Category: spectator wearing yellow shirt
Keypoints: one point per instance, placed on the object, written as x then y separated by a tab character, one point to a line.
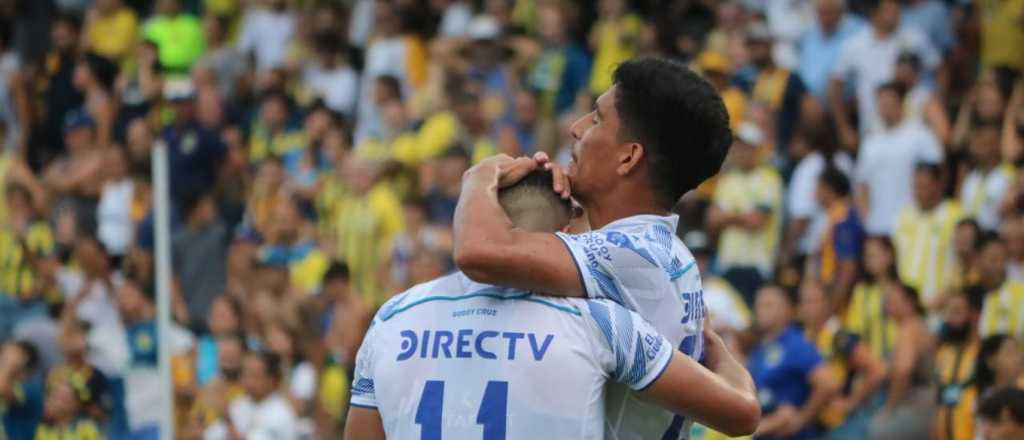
63	418
464	125
745	213
850	361
177	35
781	89
1002	32
368	219
964	272
924	236
1004	304
954	366
271	134
716	69
288	242
865	312
614	39
110	30
27	262
222	388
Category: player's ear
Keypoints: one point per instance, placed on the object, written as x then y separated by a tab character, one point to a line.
629	157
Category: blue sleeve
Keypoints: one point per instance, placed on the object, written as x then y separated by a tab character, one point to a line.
601	258
639	353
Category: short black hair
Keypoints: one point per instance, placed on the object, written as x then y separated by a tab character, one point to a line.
836	181
524	200
933	170
1001	399
191	201
984	376
680	120
391	82
271	362
987	238
337	271
893	86
975	296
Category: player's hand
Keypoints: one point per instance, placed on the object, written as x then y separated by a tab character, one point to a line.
561	183
509	170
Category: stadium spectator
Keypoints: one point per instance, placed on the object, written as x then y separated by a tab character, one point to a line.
223	321
869	57
866	314
265	32
910	398
261	411
848	360
177	34
745	213
819	46
21	390
199	254
63	416
999	364
781	89
842	241
1002	414
989	179
818	149
792	381
999	315
955	360
886	160
923	236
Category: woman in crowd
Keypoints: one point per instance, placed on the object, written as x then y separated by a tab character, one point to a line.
865	313
910	399
999	364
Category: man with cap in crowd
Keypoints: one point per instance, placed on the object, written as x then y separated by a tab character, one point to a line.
778	87
745	214
194	151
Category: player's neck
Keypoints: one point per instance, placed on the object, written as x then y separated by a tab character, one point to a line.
616	205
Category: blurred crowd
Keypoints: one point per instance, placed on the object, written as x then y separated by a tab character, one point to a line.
863	247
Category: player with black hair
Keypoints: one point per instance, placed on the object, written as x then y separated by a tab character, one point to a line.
656	134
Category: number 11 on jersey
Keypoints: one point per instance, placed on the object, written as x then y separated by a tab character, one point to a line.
493	412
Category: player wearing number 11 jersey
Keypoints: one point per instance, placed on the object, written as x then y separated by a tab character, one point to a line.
456	359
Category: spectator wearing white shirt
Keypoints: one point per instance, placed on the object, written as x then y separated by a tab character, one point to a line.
455	17
265	33
115	226
868	58
262	413
807	219
886	161
330	78
989	179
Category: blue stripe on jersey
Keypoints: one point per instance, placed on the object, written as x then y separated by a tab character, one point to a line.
607	284
657	376
624	335
600	314
363	386
487	293
674	428
362	406
676	274
639	364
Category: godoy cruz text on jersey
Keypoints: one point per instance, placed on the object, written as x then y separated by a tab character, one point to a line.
486	344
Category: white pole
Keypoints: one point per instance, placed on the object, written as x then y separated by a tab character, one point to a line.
162	231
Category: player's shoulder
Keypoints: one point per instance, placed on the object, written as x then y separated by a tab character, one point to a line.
449	286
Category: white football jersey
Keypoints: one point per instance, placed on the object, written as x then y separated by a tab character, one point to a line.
639	262
454	359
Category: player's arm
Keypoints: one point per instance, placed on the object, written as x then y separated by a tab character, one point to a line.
364	421
364	424
489	249
723	398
